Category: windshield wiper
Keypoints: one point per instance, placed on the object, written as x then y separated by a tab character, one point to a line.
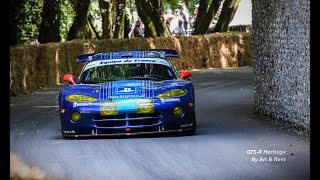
111	79
96	81
143	78
165	78
150	78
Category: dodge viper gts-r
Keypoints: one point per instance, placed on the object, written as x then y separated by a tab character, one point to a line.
127	93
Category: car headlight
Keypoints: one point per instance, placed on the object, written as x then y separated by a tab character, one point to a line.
145	106
172	93
80	98
108	108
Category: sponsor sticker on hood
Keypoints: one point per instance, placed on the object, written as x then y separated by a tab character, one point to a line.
131	89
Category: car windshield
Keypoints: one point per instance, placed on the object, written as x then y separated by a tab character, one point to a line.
115	72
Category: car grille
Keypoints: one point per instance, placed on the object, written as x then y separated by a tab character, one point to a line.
115	131
119	116
110	123
125	120
144	122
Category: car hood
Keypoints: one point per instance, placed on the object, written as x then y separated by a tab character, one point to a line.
126	89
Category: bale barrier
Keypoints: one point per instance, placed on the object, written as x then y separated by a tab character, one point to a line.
34	67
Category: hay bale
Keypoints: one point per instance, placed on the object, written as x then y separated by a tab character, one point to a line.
37	66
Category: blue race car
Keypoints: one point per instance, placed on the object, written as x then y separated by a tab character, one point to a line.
127	93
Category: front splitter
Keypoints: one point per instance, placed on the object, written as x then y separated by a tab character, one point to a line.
130	134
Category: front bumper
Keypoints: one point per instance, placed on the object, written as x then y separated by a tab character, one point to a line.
95	134
127	123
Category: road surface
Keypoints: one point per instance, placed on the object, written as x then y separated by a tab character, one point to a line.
230	142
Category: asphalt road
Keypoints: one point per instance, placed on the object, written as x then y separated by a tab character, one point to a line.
227	132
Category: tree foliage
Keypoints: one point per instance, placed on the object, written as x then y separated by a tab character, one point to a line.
120	17
229	9
66	18
107	10
113	18
60	20
208	12
206	15
50	23
174	4
95	19
151	13
25	18
81	10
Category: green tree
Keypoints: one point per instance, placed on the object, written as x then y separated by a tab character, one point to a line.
206	15
113	18
120	19
92	26
149	29
80	20
67	15
107	10
229	9
15	17
151	13
95	19
208	12
50	24
25	18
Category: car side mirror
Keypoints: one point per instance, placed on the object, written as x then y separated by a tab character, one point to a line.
69	78
185	75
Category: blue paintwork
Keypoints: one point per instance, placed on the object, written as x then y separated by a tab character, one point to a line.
126	93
